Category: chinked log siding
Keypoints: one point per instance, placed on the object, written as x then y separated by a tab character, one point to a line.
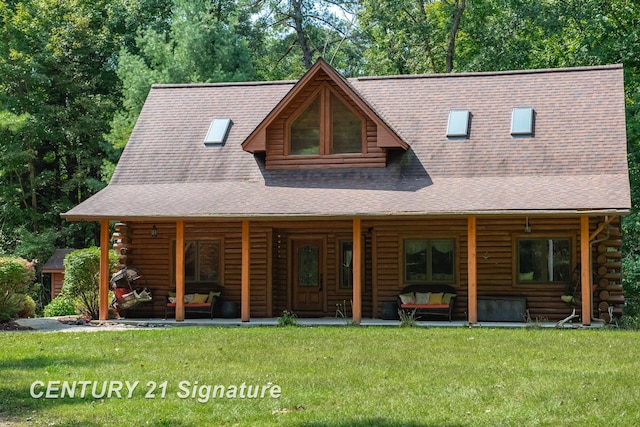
270	269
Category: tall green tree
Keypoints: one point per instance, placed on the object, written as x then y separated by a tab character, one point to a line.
56	73
412	36
58	92
202	43
295	33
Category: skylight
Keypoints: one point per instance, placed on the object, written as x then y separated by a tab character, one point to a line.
458	125
522	121
218	131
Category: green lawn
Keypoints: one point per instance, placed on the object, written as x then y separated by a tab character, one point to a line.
330	376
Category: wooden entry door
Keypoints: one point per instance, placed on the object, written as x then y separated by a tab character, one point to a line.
308	264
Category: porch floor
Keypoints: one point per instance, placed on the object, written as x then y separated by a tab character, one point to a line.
330	321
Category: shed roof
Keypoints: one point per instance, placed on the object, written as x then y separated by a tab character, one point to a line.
575	163
56	262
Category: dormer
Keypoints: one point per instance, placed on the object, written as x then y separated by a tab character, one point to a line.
323	123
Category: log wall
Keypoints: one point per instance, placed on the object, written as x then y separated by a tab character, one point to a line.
388	237
154	257
332	232
57	280
608	264
497	264
383	239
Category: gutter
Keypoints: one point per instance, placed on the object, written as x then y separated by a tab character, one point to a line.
342	216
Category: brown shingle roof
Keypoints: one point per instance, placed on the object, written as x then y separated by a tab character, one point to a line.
56	262
576	161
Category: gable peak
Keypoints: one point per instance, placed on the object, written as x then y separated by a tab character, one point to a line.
322	73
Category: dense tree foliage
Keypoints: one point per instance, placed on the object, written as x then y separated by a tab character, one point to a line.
412	36
58	93
81	272
75	73
294	33
202	43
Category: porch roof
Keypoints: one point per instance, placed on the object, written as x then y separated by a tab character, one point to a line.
575	163
450	196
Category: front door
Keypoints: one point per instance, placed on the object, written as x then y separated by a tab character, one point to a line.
308	295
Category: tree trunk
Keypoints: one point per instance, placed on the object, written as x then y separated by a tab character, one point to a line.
34	196
427	42
455	24
302	41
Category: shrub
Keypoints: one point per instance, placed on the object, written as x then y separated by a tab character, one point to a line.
628	322
28	307
631	285
16	276
60	306
81	277
407	318
41	295
288	318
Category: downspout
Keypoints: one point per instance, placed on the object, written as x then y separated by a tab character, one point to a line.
593	241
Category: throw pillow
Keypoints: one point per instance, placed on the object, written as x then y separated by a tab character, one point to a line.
435	298
526	276
188	298
212	296
120	292
446	298
408	298
422	297
200	298
172	294
172	300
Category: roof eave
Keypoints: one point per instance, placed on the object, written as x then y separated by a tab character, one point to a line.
368	215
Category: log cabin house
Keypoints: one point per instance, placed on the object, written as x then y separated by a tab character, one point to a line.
301	195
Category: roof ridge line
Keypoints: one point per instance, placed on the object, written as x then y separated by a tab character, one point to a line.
491	73
221	84
397	76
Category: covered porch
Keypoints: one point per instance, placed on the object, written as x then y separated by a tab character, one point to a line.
470	284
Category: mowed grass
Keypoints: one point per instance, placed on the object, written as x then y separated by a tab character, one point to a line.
329	376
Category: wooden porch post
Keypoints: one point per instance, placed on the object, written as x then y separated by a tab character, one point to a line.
357	270
245	277
180	271
471	270
585	270
103	284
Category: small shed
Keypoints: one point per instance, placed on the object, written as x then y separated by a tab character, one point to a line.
55	267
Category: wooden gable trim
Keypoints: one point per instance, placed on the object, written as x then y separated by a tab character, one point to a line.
387	138
257	141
